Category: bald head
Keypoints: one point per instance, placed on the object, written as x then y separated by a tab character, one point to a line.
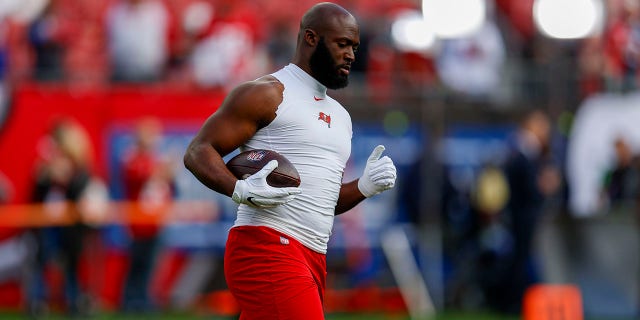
324	15
328	39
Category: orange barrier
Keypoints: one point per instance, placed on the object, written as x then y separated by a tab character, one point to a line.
132	213
552	302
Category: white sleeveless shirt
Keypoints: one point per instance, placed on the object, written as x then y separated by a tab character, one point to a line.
314	132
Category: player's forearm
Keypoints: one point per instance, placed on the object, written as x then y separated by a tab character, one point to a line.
209	168
349	197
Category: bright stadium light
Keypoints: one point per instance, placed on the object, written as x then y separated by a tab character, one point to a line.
410	32
23	11
454	19
568	19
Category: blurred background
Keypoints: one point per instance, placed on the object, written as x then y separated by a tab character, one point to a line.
514	124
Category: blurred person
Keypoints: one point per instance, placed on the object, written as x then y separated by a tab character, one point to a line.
49	35
380	62
138	40
531	177
214	60
149	183
275	256
632	47
614	37
491	234
5	90
6	189
473	65
66	186
591	66
194	19
622	46
622	182
280	46
14	248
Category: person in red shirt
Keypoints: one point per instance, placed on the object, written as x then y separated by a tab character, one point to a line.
148	185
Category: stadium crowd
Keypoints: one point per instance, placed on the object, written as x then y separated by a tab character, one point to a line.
98	42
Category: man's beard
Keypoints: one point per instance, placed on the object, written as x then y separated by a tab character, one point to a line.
325	68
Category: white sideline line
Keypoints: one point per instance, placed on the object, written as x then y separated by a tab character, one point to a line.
413	288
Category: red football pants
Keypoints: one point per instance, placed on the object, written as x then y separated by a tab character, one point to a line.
273	276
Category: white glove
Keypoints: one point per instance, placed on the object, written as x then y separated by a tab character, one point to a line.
379	174
255	191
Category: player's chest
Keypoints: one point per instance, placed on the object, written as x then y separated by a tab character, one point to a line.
320	124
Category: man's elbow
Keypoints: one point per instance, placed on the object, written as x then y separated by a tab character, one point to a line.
188	158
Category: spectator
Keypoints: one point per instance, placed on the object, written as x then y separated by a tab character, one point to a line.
13	243
632	47
591	66
67	188
473	65
138	40
620	46
227	53
49	37
280	47
194	19
622	182
6	189
4	72
494	241
531	178
149	181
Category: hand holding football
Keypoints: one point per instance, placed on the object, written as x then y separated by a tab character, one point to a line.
249	162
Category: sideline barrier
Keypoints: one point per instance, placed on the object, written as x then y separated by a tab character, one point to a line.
552	302
131	213
102	269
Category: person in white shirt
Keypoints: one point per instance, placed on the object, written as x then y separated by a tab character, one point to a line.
275	254
137	39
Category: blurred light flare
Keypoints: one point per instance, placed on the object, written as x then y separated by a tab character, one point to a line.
23	11
411	32
568	19
417	31
454	19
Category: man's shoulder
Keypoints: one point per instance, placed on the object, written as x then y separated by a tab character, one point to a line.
259	97
268	79
264	86
264	82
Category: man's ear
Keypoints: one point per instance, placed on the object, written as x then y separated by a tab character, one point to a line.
311	37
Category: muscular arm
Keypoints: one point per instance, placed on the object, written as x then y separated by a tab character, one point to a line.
245	110
349	197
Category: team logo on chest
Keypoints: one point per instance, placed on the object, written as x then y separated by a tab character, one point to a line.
325	117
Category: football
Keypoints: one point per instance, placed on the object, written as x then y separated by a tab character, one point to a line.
251	161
